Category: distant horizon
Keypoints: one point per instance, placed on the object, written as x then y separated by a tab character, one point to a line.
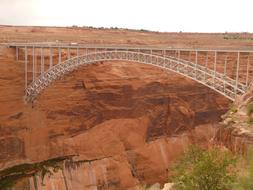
117	28
194	16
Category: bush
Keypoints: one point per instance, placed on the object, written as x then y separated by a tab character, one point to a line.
232	108
144	30
250	108
249	112
245	180
200	169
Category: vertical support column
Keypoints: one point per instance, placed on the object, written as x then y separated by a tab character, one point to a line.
33	56
178	57
16	53
225	66
95	50
35	64
164	58
196	62
77	52
189	58
151	52
51	58
59	52
214	67
42	61
85	51
237	73
247	72
68	53
206	63
138	54
26	67
225	74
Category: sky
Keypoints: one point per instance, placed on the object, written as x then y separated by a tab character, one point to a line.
156	15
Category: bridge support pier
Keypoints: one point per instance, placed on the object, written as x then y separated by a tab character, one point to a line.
206	66
33	66
26	57
237	72
59	52
247	72
68	52
42	62
178	54
51	57
215	66
225	73
77	52
196	62
17	53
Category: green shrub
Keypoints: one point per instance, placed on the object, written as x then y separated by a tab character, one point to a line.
250	108
245	180
232	108
201	169
249	112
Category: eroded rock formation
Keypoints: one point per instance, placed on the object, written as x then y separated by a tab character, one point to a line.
111	125
121	124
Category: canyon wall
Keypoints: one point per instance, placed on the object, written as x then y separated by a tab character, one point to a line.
121	123
111	125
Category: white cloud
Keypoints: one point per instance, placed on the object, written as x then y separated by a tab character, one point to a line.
162	15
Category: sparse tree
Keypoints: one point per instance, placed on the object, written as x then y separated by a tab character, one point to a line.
201	169
245	180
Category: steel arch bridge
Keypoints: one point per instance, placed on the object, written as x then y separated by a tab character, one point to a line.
208	67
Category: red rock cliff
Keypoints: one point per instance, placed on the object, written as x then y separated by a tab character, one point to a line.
111	125
124	123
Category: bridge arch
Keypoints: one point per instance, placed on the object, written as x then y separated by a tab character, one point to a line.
220	83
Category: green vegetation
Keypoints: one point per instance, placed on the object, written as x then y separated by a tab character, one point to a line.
250	108
245	179
232	108
213	169
10	176
246	36
201	169
250	112
144	30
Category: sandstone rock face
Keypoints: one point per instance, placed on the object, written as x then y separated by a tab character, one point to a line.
122	123
168	186
235	131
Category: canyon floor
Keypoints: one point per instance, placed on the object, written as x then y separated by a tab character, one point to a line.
111	125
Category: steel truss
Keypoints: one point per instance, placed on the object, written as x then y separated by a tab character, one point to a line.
221	82
216	81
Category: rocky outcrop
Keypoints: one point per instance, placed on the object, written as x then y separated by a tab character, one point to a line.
236	129
122	124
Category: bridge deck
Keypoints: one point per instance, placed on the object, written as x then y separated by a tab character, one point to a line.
119	47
